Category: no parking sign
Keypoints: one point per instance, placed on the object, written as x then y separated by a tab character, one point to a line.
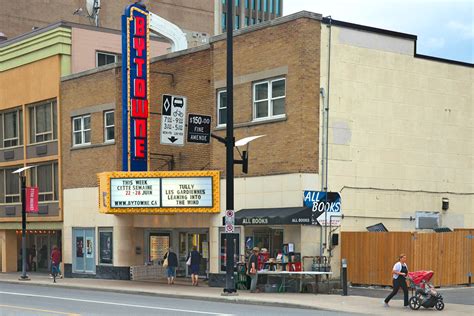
229	221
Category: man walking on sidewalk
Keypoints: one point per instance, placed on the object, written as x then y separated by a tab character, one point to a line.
252	269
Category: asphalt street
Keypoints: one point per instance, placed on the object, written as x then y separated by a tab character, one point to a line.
17	299
457	295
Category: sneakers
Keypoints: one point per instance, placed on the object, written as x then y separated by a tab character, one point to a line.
385	304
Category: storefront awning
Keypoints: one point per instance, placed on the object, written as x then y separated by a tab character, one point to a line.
274	216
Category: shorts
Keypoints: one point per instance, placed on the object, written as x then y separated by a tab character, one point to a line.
171	272
195	269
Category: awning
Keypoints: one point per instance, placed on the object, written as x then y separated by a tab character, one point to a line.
300	215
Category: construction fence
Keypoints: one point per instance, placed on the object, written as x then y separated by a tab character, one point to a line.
371	255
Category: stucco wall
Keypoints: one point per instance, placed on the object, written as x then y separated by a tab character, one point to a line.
32	82
85	44
401	124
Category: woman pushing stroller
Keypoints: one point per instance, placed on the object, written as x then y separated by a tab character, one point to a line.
399	274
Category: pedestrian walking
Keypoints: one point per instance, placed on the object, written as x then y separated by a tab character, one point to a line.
194	261
399	274
55	259
170	262
252	269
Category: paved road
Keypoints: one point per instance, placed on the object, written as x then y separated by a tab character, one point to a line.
459	295
17	299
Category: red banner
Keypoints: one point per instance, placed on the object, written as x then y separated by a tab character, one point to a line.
31	200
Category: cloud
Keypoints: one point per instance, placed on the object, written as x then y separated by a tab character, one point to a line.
465	30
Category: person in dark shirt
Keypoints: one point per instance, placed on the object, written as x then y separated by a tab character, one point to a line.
252	269
172	264
195	263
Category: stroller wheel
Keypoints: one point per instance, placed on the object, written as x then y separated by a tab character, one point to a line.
415	303
439	305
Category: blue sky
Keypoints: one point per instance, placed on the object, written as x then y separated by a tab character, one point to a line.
445	28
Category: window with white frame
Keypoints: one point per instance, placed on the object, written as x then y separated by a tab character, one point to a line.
109	126
12	128
222	107
45	177
43	121
11	185
81	130
103	58
269	98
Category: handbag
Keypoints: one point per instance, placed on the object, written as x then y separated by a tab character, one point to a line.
188	262
165	262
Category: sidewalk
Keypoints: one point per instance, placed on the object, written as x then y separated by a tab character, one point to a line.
354	304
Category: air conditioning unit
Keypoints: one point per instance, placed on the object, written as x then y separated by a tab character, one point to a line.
427	220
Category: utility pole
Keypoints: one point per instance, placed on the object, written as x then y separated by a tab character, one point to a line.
230	142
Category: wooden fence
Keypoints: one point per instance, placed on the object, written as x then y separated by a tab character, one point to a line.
371	255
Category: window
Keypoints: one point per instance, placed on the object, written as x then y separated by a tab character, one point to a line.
109	126
247	4
12	128
81	130
265	5
224	22
277	7
43	120
12	186
259	5
247	21
222	107
269	98
253	21
45	177
105	58
106	246
254	4
237	22
237	3
270	6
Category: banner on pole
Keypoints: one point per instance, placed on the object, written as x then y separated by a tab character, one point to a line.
31	204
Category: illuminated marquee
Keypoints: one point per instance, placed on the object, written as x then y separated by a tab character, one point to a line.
135	92
159	192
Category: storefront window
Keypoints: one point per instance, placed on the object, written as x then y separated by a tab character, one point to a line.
105	246
223	247
270	239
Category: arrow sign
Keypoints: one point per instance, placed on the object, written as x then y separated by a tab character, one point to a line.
172	139
173	120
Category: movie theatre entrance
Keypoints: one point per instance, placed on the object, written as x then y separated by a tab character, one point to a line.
182	241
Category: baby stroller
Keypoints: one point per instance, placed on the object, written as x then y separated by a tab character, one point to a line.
425	294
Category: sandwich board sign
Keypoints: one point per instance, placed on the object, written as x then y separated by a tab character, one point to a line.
173	120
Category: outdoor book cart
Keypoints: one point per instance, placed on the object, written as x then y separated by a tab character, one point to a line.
302	275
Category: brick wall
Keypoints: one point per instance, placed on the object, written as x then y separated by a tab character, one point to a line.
291	145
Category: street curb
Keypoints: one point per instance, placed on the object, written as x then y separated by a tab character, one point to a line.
228	299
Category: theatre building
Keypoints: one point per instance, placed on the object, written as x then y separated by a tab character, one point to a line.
281	80
31	66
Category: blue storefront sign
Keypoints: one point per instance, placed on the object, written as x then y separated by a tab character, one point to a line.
325	207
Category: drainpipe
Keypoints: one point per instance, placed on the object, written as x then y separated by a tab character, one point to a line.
325	138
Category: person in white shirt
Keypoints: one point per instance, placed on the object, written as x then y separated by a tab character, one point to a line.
399	274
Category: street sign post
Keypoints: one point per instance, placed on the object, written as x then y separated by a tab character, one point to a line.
199	129
229	221
173	113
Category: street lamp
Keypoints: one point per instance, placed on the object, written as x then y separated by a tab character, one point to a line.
22	176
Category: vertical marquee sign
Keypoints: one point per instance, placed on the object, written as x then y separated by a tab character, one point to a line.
135	92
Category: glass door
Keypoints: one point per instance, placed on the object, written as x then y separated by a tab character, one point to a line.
158	244
83	250
186	243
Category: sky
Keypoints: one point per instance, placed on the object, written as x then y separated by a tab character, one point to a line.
445	28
